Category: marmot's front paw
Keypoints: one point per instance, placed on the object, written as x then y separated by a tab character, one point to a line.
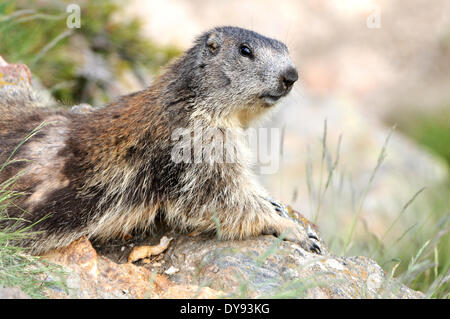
290	230
294	232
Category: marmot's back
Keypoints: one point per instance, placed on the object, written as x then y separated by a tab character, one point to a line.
22	116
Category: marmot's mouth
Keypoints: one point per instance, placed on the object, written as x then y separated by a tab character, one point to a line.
270	99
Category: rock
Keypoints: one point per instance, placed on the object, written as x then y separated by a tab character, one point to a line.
16	80
12	293
93	276
14	74
266	267
260	267
82	108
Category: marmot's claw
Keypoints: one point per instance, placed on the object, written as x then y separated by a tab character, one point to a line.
310	243
313	239
279	208
312	234
315	248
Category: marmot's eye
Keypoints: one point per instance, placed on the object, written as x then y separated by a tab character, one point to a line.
245	51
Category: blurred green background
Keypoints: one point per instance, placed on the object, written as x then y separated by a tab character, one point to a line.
35	33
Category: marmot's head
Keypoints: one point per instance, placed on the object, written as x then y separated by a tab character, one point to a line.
232	70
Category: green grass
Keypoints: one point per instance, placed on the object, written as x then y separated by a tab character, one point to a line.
31	274
19	269
432	130
420	255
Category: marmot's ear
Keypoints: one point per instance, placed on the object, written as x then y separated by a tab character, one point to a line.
213	43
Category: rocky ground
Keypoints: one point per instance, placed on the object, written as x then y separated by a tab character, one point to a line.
202	267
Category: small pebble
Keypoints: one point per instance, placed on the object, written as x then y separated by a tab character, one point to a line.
172	270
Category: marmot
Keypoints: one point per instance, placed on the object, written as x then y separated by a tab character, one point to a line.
106	173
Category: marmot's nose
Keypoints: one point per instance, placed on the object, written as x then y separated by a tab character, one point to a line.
289	77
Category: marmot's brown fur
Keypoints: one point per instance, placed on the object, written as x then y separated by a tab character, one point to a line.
105	173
